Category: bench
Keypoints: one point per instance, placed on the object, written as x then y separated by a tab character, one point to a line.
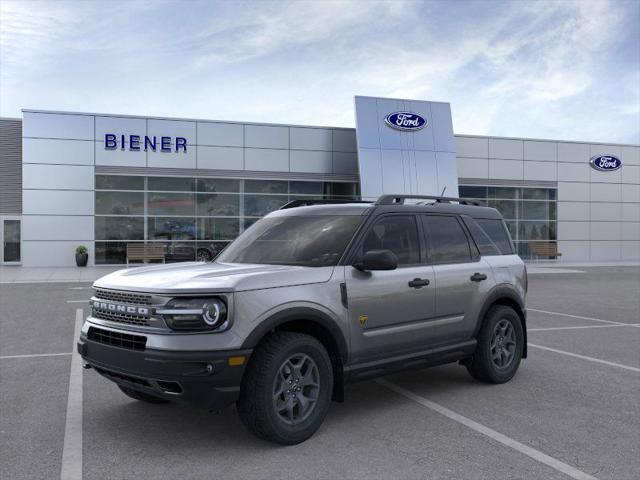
144	253
545	249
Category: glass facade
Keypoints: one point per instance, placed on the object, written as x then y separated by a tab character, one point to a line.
530	213
194	218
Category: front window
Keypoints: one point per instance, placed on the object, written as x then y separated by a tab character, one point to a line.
309	241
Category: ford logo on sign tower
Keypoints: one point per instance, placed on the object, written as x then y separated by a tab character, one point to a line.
605	163
405	121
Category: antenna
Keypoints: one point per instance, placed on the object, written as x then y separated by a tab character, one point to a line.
442	194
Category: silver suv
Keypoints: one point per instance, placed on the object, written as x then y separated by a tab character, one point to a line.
312	297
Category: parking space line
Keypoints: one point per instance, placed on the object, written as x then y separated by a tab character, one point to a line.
77	301
582	327
33	355
577	316
494	435
583	357
72	448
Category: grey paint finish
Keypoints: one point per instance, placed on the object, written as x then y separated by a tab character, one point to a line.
10	166
394	161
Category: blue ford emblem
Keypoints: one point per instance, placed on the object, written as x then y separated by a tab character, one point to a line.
605	163
405	121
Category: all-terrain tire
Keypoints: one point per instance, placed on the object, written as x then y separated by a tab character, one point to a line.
485	363
141	396
257	404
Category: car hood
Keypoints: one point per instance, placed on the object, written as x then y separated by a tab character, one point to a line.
197	277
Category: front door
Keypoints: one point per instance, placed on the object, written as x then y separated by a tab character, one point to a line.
10	234
388	310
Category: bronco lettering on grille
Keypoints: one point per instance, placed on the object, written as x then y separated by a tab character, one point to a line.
119	308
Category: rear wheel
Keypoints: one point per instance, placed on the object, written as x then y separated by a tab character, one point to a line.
141	396
287	388
500	345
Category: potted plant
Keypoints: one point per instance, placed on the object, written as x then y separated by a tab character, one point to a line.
82	256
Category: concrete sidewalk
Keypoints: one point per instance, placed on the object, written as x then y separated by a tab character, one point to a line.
11	274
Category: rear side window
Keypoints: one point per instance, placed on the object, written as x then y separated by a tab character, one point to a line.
447	241
482	239
498	234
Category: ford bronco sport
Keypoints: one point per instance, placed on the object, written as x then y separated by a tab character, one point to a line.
312	297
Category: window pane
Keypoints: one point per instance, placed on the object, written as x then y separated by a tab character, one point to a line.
396	233
172	183
119	228
120	203
497	233
218	228
110	253
472	192
210	204
447	240
338	189
266	186
535	193
119	182
178	251
260	205
167	228
507	208
209	250
306	188
213	185
250	221
534	210
534	231
171	204
502	192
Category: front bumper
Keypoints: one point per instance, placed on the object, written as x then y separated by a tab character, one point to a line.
203	379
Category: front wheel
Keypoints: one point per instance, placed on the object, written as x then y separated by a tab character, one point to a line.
287	388
500	345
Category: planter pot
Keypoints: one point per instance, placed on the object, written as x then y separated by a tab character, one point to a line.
82	259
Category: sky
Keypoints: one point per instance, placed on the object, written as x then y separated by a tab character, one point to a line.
540	69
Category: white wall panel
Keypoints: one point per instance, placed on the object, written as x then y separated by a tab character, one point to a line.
52	125
344	141
573	230
310	138
630	174
57	202
220	158
442	127
630	250
64	177
393	178
506	149
70	152
630	230
573	191
173	128
540	171
261	136
54	227
535	150
605	177
630	193
605	230
472	147
631	212
120	126
574	172
172	159
605	251
605	150
573	250
630	155
573	152
506	169
367	119
120	157
574	211
53	253
345	163
447	174
266	159
311	161
602	192
606	211
220	134
371	167
473	167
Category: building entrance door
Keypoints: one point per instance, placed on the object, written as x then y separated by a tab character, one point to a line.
10	235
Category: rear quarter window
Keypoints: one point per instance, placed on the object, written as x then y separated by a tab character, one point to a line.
497	233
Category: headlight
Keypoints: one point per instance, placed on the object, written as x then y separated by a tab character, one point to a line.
195	313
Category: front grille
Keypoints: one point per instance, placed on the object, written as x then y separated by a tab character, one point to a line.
123	297
117	339
127	318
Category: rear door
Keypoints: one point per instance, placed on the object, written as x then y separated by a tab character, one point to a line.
462	278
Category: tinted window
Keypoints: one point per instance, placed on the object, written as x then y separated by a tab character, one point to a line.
398	234
447	240
310	241
482	239
497	233
119	182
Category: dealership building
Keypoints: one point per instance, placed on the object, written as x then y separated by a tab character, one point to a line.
190	186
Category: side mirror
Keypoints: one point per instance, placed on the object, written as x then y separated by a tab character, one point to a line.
377	260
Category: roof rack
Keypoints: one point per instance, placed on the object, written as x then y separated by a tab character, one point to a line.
399	199
306	203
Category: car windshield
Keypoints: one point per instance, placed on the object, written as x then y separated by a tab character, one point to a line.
310	241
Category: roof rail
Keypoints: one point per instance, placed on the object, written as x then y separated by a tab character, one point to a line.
306	203
399	199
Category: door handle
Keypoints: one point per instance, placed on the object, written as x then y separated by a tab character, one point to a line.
418	283
478	277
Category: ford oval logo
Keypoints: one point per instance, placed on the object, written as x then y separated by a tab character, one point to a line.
405	121
605	163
